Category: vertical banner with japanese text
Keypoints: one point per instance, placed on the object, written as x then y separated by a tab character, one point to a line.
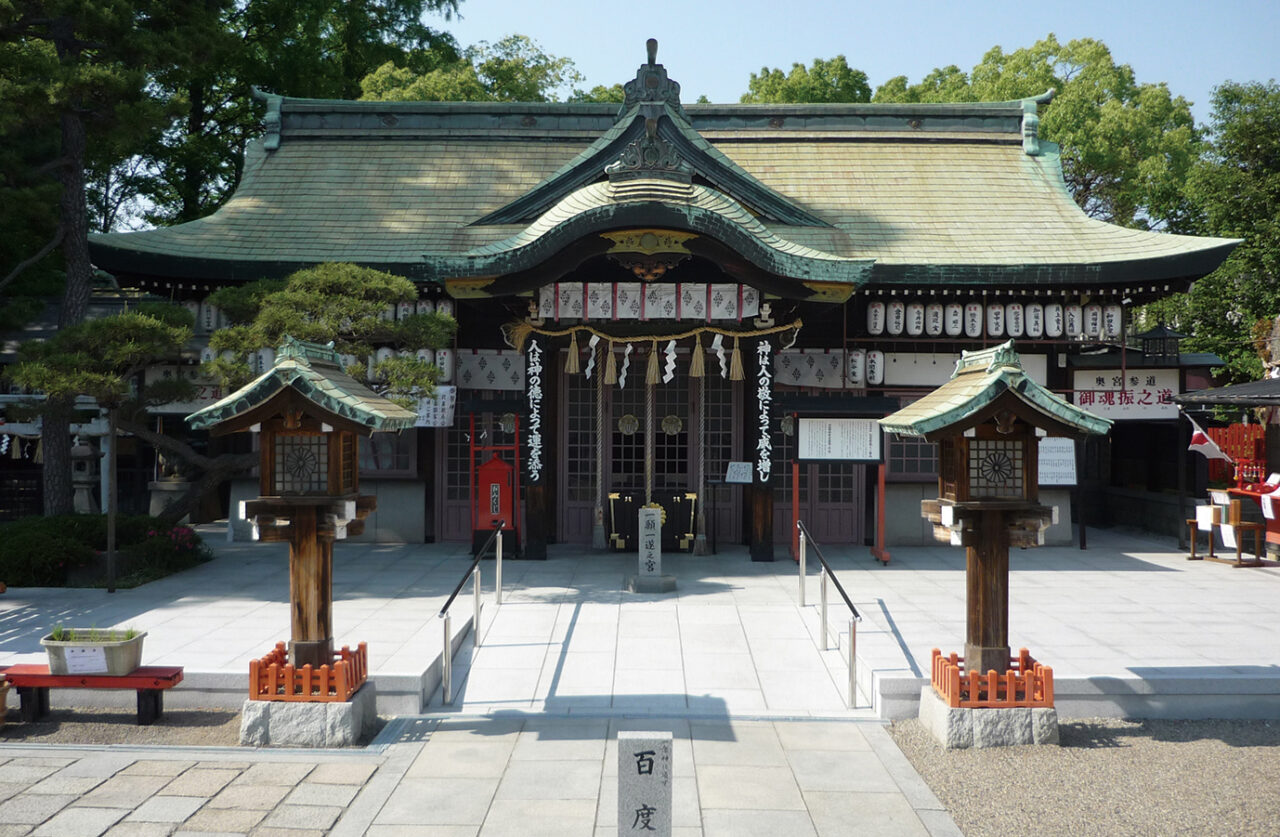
534	463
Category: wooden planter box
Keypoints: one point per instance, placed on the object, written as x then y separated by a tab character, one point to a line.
95	652
273	678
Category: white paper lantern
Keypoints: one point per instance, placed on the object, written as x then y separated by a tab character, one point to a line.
933	319
348	361
426	356
875	367
404	309
857	367
1034	316
385	353
1093	320
1013	319
875	318
915	319
1112	320
995	320
1073	320
895	316
388	313
265	359
405	353
445	306
207	355
444	360
1053	320
210	318
973	319
954	319
426	306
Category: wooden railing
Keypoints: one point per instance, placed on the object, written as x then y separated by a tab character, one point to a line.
1026	683
273	678
1246	444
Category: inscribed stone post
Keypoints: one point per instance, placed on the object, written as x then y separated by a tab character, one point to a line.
644	783
650	543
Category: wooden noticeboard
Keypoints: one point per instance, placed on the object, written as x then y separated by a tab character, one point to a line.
839	440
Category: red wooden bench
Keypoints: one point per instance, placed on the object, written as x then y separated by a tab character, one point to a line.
33	683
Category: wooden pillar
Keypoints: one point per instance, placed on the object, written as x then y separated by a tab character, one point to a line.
759	385
310	591
987	578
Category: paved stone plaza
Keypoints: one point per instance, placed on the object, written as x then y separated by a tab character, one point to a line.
729	663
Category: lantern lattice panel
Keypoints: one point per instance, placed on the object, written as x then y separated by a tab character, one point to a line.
302	464
996	468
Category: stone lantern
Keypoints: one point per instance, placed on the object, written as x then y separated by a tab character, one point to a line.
987	421
309	414
84	476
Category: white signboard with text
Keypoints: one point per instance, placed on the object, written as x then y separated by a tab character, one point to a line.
1127	394
839	439
1057	461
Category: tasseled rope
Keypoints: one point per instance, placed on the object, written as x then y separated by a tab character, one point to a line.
610	366
571	364
735	363
696	368
653	374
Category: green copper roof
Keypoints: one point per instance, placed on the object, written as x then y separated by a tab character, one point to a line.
979	379
946	195
316	372
610	205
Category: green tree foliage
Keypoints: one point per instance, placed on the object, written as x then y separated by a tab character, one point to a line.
1236	187
342	303
308	48
1127	148
100	359
830	80
600	93
514	69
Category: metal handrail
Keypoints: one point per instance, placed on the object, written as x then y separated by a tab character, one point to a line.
855	617
473	572
804	533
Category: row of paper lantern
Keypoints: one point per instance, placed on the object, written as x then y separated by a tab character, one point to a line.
262	360
866	367
209	319
1013	319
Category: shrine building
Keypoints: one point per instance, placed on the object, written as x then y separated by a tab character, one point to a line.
647	293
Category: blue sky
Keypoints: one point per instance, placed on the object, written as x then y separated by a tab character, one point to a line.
712	46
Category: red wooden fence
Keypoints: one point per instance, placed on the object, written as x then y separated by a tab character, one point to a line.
1026	683
272	678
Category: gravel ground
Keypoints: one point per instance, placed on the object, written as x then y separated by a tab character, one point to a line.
1111	777
177	727
190	727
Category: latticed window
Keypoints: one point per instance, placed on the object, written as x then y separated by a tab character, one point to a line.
995	468
389	454
910	458
301	464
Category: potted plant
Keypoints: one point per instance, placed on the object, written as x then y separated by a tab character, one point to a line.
115	651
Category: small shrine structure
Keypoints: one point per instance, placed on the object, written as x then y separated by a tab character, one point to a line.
308	414
987	421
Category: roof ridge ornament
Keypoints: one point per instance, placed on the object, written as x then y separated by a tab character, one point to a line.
651	85
1031	122
650	156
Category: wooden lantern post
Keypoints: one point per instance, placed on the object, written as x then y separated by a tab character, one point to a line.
309	414
987	421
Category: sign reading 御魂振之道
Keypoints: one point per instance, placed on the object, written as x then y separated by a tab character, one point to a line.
1127	394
